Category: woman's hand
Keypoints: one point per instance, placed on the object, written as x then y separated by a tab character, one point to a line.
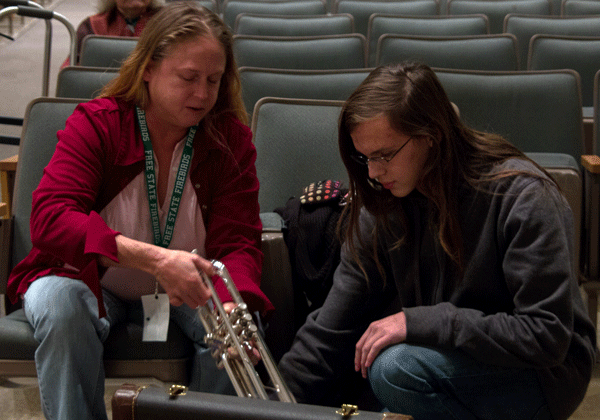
178	272
380	334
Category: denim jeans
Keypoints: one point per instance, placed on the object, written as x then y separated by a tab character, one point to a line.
64	315
429	383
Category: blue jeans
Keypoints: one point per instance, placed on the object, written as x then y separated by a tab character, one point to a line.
429	383
70	369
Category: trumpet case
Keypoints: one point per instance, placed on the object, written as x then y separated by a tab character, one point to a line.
132	402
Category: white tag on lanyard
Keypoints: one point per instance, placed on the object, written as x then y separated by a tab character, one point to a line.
156	317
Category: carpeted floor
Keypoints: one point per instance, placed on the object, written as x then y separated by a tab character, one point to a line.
20	397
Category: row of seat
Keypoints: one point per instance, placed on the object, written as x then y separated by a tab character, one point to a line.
478	94
86	82
522	27
361	10
496	52
230	8
98	51
475	52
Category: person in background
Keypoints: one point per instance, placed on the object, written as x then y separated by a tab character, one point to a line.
160	164
116	18
457	293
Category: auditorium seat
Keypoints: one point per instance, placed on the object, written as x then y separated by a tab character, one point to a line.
309	53
105	51
293	25
475	52
580	7
524	27
83	82
496	10
363	9
232	8
380	24
258	83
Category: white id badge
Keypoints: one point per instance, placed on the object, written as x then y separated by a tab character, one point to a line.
156	317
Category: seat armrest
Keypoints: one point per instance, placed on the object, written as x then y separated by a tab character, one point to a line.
272	222
276	283
5	252
8	168
591	163
591	228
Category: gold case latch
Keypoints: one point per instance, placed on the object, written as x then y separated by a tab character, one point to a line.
348	410
177	390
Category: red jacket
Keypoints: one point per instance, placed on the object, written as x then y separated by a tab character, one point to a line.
98	154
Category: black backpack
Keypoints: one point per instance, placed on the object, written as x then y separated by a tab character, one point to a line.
313	244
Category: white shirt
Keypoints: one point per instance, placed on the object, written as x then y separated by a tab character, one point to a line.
129	214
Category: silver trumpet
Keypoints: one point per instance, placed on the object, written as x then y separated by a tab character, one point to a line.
231	336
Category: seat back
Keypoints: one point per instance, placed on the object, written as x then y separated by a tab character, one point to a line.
83	82
496	10
293	25
524	27
258	83
296	143
476	52
582	54
362	10
537	111
579	7
380	24
232	8
308	53
211	5
105	51
43	118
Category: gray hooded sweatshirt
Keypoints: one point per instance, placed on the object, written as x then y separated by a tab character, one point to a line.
517	303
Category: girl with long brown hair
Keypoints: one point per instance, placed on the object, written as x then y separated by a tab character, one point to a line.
456	295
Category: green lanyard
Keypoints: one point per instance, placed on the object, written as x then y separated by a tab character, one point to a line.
184	165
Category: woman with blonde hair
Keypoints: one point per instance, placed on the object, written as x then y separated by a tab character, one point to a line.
159	165
457	294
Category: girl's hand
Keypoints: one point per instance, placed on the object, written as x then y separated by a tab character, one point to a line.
252	352
380	334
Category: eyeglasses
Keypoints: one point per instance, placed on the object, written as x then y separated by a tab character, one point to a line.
363	160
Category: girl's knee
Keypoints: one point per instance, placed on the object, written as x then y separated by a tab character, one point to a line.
401	367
